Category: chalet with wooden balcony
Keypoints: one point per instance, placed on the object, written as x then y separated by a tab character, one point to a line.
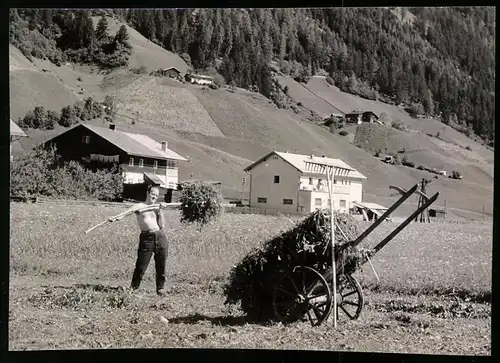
143	159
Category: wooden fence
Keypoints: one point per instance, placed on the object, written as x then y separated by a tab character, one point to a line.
228	208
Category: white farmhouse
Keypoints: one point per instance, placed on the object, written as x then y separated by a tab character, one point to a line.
281	181
199	79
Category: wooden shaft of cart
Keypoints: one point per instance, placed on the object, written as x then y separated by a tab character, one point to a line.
330	171
393	234
379	220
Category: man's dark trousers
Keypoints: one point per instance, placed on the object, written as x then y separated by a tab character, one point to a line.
149	243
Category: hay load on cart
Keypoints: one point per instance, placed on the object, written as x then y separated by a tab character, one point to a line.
307	244
288	279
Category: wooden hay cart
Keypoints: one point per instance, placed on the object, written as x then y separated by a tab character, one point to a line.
304	293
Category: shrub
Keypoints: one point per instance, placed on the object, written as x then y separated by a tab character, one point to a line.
68	117
397	125
201	203
407	162
343	133
330	81
415	109
41	172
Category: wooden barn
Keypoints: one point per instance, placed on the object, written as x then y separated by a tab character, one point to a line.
359	117
171	72
437	213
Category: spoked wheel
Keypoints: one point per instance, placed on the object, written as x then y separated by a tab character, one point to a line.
350	298
302	292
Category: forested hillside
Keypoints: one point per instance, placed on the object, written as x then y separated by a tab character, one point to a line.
441	63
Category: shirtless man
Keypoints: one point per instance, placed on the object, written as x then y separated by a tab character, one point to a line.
152	238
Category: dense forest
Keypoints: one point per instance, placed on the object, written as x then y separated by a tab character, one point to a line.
441	63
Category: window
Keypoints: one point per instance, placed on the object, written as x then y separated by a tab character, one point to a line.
141	163
170	164
317	202
310	181
335	181
276	179
86	139
261	200
275	157
342	203
287	201
155	164
131	162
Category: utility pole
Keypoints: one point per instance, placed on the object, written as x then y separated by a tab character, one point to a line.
243	181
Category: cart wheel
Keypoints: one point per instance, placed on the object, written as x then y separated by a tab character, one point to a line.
303	291
350	298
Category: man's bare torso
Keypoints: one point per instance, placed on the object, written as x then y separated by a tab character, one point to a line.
147	220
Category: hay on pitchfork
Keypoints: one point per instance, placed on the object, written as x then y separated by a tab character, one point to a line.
306	244
200	203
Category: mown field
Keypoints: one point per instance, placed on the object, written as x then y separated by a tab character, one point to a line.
66	287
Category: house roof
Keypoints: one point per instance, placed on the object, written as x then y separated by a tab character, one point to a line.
169	68
299	162
153	178
134	144
371	206
15	130
361	113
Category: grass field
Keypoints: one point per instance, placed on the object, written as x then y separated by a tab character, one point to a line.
66	287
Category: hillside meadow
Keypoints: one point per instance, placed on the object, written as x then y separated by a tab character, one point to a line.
68	289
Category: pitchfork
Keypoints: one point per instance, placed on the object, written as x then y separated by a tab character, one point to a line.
331	171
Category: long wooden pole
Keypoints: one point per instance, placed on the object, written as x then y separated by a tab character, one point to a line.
145	209
332	228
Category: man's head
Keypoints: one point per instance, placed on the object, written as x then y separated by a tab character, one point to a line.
152	194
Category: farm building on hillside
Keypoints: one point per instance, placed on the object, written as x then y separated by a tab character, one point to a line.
15	134
438	213
143	159
282	181
361	116
171	72
199	79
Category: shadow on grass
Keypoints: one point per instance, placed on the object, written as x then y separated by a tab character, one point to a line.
218	320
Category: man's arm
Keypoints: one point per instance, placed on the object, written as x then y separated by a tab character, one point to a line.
125	213
160	218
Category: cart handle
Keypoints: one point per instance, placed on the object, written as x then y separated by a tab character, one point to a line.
404	224
402	191
379	220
